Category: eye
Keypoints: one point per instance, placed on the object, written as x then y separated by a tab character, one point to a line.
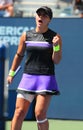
46	16
43	14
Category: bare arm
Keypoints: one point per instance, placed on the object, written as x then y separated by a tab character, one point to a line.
18	56
3	7
56	56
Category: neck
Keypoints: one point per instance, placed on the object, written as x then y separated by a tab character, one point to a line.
41	30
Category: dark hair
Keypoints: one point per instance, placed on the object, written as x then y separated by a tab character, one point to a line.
47	10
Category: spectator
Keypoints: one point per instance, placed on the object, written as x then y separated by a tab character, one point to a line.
81	14
78	7
6	8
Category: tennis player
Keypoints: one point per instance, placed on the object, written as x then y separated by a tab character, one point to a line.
43	48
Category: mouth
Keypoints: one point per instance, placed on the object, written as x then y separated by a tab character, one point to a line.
40	21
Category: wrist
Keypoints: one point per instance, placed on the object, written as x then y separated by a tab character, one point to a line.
56	48
11	73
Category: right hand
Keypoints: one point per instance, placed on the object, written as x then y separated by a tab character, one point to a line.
9	79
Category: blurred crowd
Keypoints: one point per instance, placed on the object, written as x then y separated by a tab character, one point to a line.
7	8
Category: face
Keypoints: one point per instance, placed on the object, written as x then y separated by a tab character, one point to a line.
42	19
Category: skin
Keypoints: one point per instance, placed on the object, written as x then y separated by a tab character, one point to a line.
42	101
8	7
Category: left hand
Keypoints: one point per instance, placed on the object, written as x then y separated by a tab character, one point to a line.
56	40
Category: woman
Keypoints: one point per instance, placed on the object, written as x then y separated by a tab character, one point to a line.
44	48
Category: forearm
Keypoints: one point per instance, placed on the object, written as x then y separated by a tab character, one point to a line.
6	6
56	57
16	62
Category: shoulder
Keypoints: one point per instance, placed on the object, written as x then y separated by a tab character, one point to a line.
51	32
23	37
30	32
27	34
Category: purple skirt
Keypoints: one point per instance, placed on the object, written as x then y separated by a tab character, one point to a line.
39	84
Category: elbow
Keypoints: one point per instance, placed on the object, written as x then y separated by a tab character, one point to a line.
57	60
